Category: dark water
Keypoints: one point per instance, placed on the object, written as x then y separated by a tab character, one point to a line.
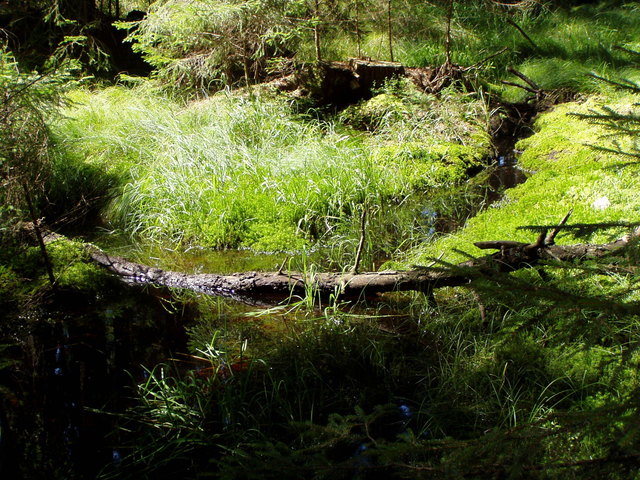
74	360
505	174
72	366
447	212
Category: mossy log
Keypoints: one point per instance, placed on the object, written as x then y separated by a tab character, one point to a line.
510	256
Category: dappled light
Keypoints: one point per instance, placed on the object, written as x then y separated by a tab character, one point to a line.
319	239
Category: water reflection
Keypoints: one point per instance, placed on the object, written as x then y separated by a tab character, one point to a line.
72	360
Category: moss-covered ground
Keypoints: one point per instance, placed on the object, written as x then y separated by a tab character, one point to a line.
532	374
564	173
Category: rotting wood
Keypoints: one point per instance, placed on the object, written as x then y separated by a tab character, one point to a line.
510	256
373	73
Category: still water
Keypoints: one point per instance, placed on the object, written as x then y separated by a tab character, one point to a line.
69	365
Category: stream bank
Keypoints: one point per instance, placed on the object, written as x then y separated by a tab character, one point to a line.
79	360
354	380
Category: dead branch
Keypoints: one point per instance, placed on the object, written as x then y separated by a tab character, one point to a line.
524	78
522	32
486	59
510	256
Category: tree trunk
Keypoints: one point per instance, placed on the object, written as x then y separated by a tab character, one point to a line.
390	30
358	33
510	256
316	31
38	233
447	39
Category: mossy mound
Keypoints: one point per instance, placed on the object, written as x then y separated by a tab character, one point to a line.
566	172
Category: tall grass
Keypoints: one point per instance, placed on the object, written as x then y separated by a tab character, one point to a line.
230	171
222	172
310	393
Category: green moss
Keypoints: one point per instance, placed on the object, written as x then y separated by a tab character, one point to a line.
274	237
73	268
375	113
565	173
420	165
422	141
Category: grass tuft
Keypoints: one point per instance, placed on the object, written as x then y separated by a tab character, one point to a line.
235	172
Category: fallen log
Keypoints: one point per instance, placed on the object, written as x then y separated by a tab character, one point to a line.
510	256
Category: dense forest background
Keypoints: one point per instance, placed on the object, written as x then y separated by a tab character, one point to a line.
316	136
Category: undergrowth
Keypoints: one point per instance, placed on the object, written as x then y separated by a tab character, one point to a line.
522	389
554	45
565	172
530	375
234	172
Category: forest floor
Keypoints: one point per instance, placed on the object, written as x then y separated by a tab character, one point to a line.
526	374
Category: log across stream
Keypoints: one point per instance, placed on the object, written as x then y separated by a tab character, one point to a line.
509	256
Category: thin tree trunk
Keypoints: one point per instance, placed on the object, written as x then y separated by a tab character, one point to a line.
245	59
38	233
447	39
363	232
390	30
358	33
316	31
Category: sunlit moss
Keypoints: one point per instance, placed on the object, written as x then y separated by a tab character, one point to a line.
565	173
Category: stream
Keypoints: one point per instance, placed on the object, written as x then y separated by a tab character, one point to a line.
76	360
73	362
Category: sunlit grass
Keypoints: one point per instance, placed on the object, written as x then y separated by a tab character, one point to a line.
229	171
218	171
567	43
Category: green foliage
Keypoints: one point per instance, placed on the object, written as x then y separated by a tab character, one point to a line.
225	149
26	99
381	110
563	44
29	102
228	172
620	123
430	166
204	45
520	376
9	288
574	42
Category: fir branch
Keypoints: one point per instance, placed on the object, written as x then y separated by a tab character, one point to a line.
622	83
617	151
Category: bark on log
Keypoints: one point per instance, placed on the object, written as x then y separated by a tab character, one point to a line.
272	285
